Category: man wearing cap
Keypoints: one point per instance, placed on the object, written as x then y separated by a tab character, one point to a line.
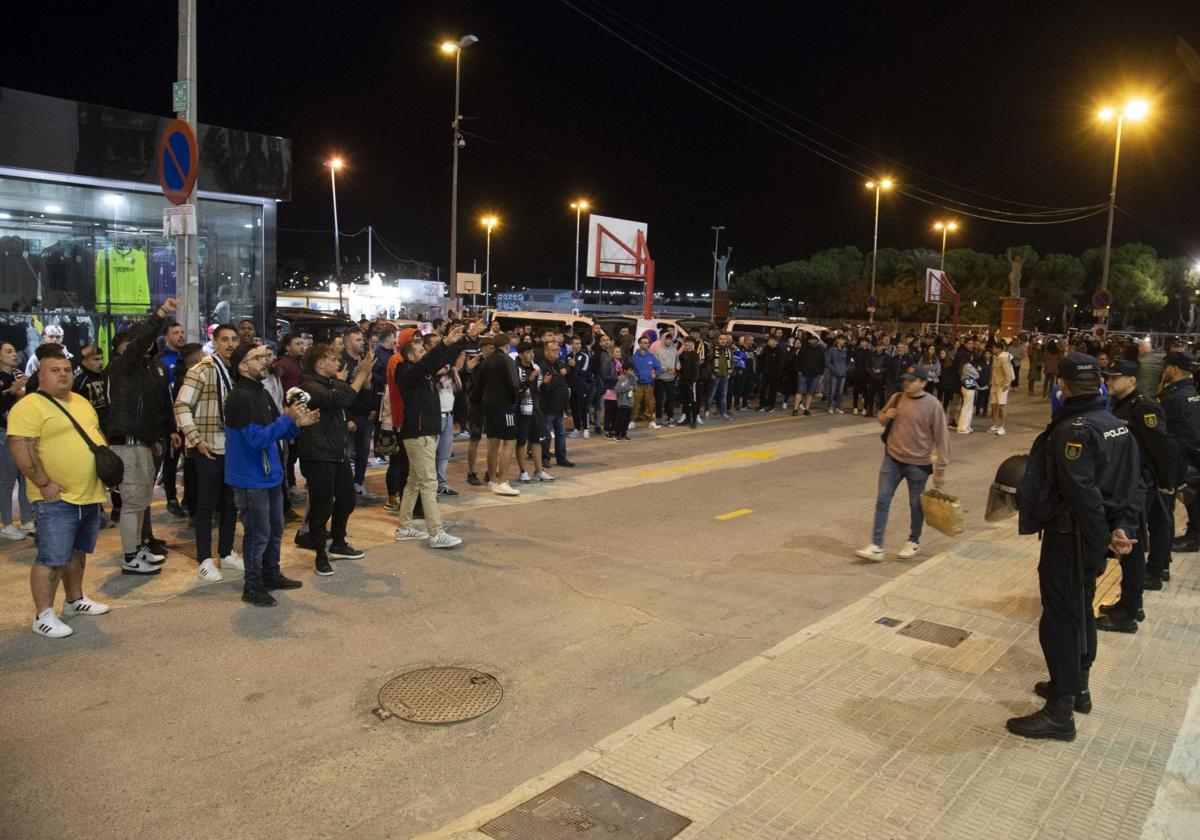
1081	493
1181	405
1159	457
51	334
916	445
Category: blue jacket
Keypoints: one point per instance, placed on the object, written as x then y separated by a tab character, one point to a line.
643	363
253	429
837	361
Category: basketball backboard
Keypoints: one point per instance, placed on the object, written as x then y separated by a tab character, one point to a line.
616	248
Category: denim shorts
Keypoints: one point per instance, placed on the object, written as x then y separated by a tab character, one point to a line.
64	528
809	384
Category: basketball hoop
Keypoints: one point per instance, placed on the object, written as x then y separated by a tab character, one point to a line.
617	249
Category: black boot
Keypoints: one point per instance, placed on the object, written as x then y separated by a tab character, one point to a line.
1152	583
1188	542
1105	609
1083	700
1118	620
1054	721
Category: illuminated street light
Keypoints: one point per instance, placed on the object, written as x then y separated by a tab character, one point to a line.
488	222
578	205
878	186
945	228
335	164
457	142
1135	110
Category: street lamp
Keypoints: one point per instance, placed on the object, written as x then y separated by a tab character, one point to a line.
879	186
457	142
334	165
1135	110
488	222
945	228
578	205
716	229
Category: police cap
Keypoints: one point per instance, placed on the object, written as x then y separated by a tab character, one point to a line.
1179	359
1079	367
1122	367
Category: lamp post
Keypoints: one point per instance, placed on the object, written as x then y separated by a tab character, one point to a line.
488	222
945	228
712	309
579	205
1135	110
879	186
334	165
457	142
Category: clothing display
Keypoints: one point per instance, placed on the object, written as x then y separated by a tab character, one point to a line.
162	275
20	274
68	279
122	280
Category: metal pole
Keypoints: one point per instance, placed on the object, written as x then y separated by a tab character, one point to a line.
370	263
712	309
186	269
452	280
1112	206
937	323
337	244
874	253
578	217
487	278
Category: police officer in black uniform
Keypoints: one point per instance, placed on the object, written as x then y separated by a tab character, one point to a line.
1081	492
1182	407
1159	457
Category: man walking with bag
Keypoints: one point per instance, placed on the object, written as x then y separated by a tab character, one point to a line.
916	445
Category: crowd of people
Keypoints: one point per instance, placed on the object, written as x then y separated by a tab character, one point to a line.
243	419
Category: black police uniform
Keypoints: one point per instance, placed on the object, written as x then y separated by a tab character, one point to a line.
1159	456
1182	408
1081	484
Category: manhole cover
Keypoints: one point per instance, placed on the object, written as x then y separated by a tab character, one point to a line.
187	549
586	806
440	695
939	634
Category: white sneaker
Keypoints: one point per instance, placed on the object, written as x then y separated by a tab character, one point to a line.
632	425
505	489
524	477
443	540
47	624
587	434
911	549
84	606
544	476
364	493
12	532
158	558
447	525
654	425
576	433
233	562
993	428
964	431
28	527
141	563
699	420
1001	431
208	572
411	533
871	552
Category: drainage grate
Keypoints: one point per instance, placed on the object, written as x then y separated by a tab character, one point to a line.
939	634
187	549
586	806
440	695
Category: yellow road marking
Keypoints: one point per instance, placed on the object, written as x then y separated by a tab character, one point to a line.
733	514
756	454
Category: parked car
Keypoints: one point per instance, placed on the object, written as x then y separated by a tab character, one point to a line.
322	326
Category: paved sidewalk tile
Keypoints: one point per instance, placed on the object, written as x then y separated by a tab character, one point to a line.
852	730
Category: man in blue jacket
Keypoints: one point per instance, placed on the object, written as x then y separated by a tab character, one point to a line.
253	429
837	363
647	367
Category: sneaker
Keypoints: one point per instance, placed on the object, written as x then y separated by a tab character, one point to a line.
345	551
693	423
411	533
473	480
304	541
564	463
586	434
463	436
807	413
966	431
795	412
157	556
174	509
84	606
141	562
443	540
234	562
524	477
393	502
280	582
837	410
28	527
1002	431
322	566
297	494
575	434
446	491
12	532
608	436
992	428
700	421
871	552
632	425
654	425
47	624
544	476
364	493
208	572
911	549
504	489
258	597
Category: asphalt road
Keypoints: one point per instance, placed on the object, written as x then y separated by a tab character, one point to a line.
595	600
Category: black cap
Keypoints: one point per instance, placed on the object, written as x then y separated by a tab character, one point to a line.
1179	359
1079	367
1122	367
524	346
239	353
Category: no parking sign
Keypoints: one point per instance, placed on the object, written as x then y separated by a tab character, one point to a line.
178	161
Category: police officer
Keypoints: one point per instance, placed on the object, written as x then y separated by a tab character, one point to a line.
1147	421
1081	492
1182	408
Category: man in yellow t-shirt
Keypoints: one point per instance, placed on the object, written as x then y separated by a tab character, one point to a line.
64	489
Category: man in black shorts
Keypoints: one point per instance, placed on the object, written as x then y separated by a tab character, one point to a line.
531	422
499	401
475	409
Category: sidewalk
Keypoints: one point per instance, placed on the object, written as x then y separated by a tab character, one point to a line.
849	729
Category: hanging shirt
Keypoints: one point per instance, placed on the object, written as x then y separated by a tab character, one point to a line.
122	280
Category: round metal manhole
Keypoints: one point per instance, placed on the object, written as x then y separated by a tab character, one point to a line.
441	695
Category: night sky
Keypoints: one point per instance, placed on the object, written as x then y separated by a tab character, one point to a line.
998	98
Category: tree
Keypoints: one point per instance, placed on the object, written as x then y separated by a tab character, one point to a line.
1135	279
752	288
1055	284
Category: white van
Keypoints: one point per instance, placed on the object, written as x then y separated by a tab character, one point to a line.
760	329
580	325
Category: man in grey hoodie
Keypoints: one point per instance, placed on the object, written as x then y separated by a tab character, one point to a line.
664	383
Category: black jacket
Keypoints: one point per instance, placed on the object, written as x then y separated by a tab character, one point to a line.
553	394
498	373
810	361
689	366
1182	408
1148	422
136	402
325	440
366	401
605	367
418	390
770	361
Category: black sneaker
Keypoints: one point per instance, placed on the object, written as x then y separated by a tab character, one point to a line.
280	582
174	509
473	480
446	491
1164	575
258	597
1183	544
1152	583
345	551
323	567
156	545
565	463
305	541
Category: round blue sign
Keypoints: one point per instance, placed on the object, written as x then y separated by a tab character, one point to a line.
178	161
1102	299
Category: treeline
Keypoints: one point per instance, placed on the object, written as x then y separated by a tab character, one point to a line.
1149	292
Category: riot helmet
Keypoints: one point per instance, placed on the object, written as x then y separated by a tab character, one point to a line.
1002	497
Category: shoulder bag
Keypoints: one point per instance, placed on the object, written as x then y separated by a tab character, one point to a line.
109	466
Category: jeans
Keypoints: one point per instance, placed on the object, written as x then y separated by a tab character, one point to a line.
423	482
360	439
837	385
213	495
891	472
330	492
596	407
445	445
664	399
64	529
10	475
170	466
555	424
261	509
718	393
